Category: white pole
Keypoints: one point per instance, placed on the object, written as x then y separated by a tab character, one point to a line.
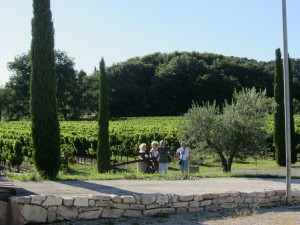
287	105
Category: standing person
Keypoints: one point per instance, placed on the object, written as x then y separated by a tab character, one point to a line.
163	158
143	157
154	155
183	154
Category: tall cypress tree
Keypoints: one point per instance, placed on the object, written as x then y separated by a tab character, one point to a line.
45	126
293	135
279	120
103	150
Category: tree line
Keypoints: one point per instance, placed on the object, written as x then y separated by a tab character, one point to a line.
157	84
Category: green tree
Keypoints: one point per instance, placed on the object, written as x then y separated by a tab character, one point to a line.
19	84
239	131
293	135
103	150
45	127
279	127
279	118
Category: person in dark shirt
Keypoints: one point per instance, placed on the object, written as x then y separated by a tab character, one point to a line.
163	158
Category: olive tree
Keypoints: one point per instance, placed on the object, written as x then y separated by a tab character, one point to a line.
238	131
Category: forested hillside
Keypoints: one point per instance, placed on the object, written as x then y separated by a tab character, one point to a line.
155	84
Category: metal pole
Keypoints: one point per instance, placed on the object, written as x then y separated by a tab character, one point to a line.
287	105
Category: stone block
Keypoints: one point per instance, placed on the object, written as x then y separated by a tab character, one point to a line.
116	199
112	213
275	198
132	213
34	213
281	192
105	203
92	203
21	199
217	201
230	199
90	215
52	208
205	202
148	199
295	193
234	194
198	198
151	212
81	201
194	204
224	194
211	196
102	197
52	201
173	198
128	199
67	213
248	200
239	199
251	194
186	198
261	194
121	206
180	204
67	201
137	207
270	193
51	216
36	199
259	200
164	199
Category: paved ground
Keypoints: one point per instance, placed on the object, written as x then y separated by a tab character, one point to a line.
128	187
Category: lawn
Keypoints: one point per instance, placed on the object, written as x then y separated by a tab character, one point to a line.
247	168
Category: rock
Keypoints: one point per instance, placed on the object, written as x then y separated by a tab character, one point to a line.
67	213
180	204
36	199
67	201
128	199
34	213
148	199
162	199
52	200
205	203
132	213
112	213
81	201
91	215
186	198
51	216
151	212
121	206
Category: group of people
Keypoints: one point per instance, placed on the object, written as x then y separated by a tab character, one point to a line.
159	157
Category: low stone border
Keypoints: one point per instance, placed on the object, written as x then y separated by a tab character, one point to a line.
47	208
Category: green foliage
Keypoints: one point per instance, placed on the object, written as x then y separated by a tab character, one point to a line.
236	132
103	150
279	115
45	127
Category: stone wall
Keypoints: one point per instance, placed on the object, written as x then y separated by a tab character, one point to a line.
46	208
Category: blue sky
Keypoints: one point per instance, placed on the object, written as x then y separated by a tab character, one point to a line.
121	29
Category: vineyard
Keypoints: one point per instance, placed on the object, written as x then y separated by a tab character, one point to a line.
80	138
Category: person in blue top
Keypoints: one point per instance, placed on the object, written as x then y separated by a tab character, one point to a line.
183	154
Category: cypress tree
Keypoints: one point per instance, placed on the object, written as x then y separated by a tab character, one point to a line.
45	126
279	119
293	135
103	151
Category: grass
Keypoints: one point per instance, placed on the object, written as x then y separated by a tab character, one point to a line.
209	169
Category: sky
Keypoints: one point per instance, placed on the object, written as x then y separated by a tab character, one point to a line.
117	30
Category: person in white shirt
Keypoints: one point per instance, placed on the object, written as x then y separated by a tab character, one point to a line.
154	154
183	154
